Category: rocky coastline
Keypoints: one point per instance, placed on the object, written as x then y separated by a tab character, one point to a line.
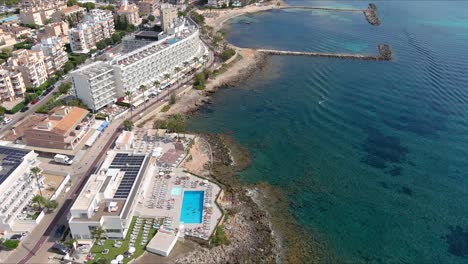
371	14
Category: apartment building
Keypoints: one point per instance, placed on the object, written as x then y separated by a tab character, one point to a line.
16	30
6	39
218	3
40	14
75	11
63	128
148	7
97	25
95	85
11	85
31	65
54	52
57	29
108	199
168	16
17	186
129	12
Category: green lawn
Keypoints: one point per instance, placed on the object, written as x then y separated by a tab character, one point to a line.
114	252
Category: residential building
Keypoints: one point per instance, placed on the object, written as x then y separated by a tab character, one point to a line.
168	16
17	186
218	3
109	198
129	12
6	39
148	7
40	14
75	12
31	65
98	25
11	85
16	30
57	29
55	55
139	39
95	85
63	128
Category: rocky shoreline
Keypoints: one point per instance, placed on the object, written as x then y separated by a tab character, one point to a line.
247	226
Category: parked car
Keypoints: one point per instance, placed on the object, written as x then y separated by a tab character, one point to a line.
61	248
18	237
24	109
7	120
35	101
59	230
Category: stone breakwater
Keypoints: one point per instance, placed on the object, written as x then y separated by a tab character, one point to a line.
384	54
371	14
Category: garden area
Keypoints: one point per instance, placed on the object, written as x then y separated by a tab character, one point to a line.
141	231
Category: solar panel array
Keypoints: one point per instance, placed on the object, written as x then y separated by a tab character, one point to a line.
130	165
10	158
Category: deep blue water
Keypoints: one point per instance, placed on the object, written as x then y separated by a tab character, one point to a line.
372	155
192	207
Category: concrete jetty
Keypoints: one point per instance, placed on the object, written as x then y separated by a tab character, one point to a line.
384	54
321	8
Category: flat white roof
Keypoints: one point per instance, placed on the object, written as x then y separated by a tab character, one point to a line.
163	242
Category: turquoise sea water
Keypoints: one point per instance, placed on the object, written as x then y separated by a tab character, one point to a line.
372	155
192	207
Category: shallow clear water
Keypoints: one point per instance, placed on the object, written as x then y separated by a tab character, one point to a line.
372	155
192	207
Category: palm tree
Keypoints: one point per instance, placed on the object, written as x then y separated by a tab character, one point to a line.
167	76
129	95
157	85
51	205
186	64
195	61
39	200
177	70
143	88
98	233
36	171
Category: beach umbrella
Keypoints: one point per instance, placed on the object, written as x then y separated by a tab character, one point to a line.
205	181
207	205
161	173
131	250
114	261
181	226
119	258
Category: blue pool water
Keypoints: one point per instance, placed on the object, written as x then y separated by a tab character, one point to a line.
173	41
176	191
192	207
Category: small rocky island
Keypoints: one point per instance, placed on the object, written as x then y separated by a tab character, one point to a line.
371	15
385	52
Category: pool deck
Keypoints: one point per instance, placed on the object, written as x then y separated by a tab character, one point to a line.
157	201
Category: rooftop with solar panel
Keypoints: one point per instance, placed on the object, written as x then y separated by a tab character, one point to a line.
110	192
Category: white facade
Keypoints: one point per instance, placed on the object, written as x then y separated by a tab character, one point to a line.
142	66
149	63
95	85
17	187
101	203
54	52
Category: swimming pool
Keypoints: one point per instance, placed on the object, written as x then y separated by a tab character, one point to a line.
173	41
192	207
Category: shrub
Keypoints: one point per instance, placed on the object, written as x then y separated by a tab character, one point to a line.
11	244
128	125
227	54
165	108
173	99
16	108
220	238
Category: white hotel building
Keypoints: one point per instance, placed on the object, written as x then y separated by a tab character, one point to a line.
108	199
142	66
17	187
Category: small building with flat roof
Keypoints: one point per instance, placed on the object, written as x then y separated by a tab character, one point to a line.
163	242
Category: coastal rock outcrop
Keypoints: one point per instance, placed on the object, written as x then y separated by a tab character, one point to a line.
385	52
371	15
